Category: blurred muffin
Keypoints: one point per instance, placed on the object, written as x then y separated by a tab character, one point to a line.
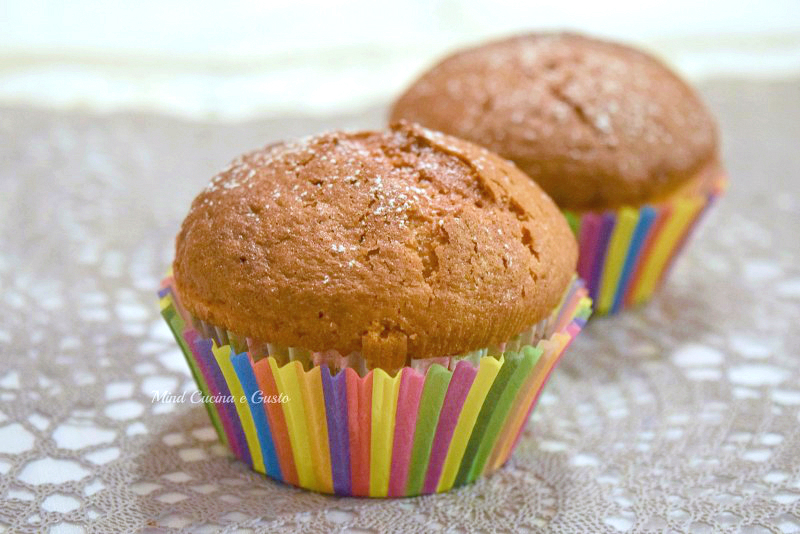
601	127
401	277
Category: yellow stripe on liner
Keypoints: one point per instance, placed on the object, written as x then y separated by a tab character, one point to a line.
294	412
682	215
384	407
223	357
615	256
317	424
487	372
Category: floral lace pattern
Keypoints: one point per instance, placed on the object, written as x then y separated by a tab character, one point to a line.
679	416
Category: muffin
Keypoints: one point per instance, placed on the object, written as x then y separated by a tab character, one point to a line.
373	313
623	145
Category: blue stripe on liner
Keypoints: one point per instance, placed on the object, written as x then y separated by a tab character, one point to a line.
241	364
335	391
647	215
606	227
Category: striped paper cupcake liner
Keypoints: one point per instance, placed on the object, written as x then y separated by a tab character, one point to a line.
625	255
419	431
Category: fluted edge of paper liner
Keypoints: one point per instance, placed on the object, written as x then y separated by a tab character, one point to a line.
626	254
376	435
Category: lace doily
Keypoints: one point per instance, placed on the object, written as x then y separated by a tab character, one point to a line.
680	416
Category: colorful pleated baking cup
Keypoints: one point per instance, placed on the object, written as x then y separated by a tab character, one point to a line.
376	435
625	255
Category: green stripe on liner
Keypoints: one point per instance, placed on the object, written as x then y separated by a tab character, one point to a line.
585	310
525	365
533	352
436	381
176	324
491	407
574	222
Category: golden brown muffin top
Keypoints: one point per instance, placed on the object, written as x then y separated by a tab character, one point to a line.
595	123
398	244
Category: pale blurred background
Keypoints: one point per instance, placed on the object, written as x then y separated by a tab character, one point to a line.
246	59
680	416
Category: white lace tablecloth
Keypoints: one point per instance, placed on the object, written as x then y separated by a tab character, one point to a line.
679	416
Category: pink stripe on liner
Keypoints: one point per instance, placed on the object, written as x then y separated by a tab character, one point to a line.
590	226
359	420
460	384
405	424
566	318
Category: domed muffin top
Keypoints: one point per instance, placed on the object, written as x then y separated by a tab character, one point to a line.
397	244
596	124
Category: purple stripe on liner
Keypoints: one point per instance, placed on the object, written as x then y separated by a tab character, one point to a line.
599	259
192	338
590	224
335	392
227	410
460	384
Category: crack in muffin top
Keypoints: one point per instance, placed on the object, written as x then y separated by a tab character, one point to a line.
397	244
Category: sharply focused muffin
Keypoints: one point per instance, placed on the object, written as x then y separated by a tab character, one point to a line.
399	296
598	125
395	244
